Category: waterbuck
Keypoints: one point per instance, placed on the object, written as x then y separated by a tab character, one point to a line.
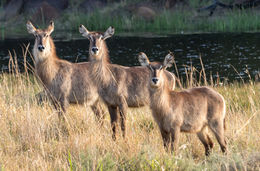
192	110
120	87
65	82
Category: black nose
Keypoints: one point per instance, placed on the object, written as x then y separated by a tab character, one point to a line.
95	49
155	80
41	48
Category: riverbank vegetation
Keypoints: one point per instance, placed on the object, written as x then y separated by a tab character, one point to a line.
168	22
131	16
32	137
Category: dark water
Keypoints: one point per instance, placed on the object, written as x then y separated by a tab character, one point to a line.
221	53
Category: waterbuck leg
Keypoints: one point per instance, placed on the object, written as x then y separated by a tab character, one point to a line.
60	107
63	105
166	136
175	134
114	118
211	144
41	97
122	110
217	127
205	139
99	112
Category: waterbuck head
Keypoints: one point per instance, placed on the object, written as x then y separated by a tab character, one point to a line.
97	40
41	36
156	68
42	43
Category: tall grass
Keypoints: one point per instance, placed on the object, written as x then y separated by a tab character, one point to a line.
179	20
236	21
32	138
167	21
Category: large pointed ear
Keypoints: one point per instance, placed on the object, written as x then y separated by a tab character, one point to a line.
50	27
83	31
108	33
168	61
143	59
30	28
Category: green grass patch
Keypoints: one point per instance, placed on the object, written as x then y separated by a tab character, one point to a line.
167	21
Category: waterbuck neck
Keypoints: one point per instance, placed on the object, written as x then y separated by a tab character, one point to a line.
100	70
45	62
160	97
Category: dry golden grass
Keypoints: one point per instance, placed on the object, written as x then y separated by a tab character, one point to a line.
32	138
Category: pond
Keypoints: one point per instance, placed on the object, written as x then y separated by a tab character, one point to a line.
229	55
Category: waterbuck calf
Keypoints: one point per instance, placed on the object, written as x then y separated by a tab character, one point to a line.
192	110
65	82
120	87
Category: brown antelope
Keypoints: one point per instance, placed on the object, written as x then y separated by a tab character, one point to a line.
65	82
192	110
120	87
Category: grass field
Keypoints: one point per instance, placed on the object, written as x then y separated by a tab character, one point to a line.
32	138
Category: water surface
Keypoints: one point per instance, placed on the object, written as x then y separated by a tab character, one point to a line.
229	55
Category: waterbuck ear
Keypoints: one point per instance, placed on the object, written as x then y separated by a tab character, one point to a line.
144	61
108	33
30	28
83	31
168	61
50	27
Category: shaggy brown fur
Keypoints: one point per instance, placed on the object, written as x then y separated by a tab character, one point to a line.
120	87
191	110
64	82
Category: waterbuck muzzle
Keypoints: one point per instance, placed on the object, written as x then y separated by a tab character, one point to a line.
41	47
